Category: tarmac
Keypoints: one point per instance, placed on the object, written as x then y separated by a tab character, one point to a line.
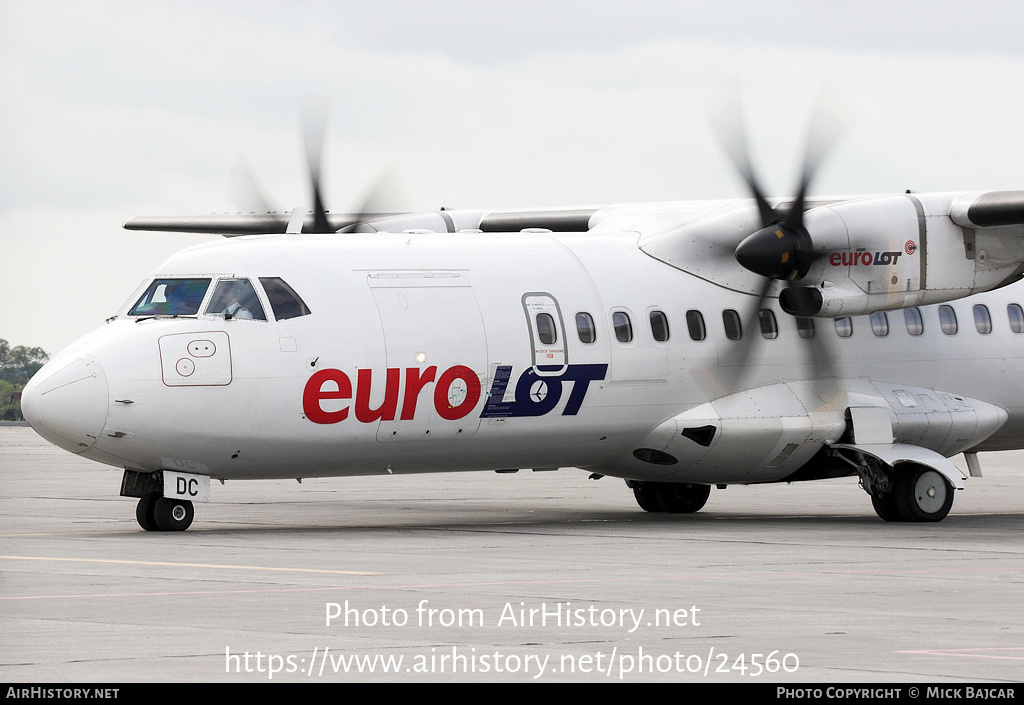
480	577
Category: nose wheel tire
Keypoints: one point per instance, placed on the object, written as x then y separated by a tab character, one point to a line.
144	511
173	514
156	513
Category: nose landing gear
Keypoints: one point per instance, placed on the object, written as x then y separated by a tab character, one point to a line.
157	512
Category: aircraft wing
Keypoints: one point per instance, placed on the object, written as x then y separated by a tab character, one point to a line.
576	219
233	225
993	209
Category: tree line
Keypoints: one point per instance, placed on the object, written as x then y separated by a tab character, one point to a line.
17	365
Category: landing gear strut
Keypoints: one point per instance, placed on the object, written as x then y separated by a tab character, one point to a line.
674	497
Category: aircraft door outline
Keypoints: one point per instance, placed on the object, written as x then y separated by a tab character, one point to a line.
412	306
547	334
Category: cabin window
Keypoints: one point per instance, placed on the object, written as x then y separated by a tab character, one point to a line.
585	327
284	302
947	320
236	299
982	319
769	326
623	327
733	326
695	325
844	327
171	297
1016	315
546	328
914	320
659	325
879	324
805	327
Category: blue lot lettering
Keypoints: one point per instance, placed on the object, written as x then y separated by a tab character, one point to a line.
536	395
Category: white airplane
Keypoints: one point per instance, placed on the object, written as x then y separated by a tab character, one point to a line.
674	345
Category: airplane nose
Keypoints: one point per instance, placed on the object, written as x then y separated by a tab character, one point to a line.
67	404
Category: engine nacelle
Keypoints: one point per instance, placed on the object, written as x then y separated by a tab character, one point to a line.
891	252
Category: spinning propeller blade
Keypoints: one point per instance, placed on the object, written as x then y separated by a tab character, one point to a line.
387	196
782	249
314	120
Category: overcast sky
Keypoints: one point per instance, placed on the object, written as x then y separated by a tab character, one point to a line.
115	109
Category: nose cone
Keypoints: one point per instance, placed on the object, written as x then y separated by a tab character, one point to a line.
67	404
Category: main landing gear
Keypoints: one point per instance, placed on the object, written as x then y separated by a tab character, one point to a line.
918	493
902	491
908	492
158	513
674	497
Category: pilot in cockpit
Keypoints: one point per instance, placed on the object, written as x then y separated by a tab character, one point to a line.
235	299
233	294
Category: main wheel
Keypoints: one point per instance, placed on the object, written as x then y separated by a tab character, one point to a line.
682	498
173	514
674	497
144	511
647	496
885	507
922	494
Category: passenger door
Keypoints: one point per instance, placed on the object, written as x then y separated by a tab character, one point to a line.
547	334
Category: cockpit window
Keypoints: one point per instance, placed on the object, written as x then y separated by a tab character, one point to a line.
171	297
236	298
283	299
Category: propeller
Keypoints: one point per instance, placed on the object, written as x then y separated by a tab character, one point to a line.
782	249
314	121
246	191
387	196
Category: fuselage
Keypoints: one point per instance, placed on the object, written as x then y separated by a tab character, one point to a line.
424	352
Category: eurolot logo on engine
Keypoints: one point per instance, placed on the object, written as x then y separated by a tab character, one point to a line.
862	257
456	393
